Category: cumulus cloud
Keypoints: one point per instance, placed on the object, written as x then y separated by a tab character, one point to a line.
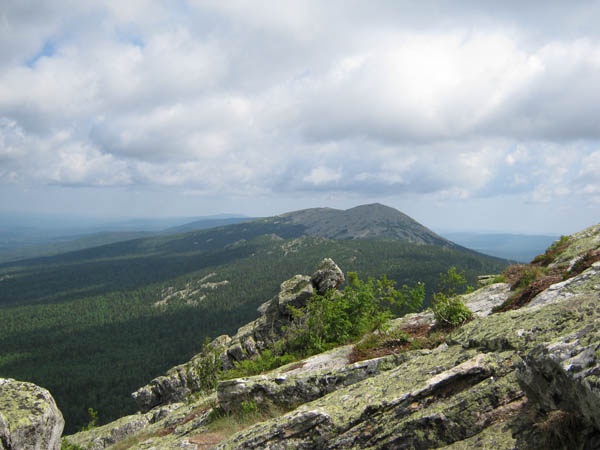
234	98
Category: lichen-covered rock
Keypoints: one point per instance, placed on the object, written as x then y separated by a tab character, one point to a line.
327	276
29	417
564	374
170	388
481	390
586	282
484	300
431	392
288	434
294	292
578	245
289	390
163	428
102	437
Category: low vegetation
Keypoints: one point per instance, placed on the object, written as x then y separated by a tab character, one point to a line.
449	312
338	318
333	319
528	280
262	363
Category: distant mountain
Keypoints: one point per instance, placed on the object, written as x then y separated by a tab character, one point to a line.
374	221
516	247
203	224
63	244
31	237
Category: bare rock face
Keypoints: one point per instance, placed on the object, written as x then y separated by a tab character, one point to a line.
563	375
29	417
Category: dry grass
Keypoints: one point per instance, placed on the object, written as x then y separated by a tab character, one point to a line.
560	429
207	440
403	339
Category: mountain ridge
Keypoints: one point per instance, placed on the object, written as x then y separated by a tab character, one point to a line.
370	221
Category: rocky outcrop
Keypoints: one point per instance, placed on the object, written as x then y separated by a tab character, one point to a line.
250	340
29	418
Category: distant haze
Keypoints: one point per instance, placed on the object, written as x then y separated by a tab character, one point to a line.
465	115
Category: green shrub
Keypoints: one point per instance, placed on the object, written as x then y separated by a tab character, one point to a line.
265	362
450	311
448	308
337	318
208	368
93	420
248	407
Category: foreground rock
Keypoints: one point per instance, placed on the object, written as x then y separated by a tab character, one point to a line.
29	418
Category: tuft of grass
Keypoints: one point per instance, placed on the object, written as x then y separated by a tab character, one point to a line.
249	413
66	445
375	345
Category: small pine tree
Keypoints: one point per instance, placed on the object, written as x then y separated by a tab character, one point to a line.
448	308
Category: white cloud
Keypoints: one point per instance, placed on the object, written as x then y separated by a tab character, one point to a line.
323	176
294	98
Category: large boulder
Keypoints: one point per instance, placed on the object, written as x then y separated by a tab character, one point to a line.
29	417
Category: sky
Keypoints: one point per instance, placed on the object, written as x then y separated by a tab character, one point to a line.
466	115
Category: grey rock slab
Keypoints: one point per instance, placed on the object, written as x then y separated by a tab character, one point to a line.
29	417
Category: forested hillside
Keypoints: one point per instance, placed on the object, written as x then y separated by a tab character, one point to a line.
94	325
